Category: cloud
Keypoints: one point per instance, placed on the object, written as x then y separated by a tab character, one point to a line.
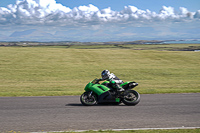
43	12
47	20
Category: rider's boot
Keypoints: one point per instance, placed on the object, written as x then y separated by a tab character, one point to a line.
120	90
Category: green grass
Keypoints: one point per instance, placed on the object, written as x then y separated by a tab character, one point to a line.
146	131
56	71
134	131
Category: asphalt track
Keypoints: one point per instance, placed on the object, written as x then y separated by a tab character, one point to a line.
65	113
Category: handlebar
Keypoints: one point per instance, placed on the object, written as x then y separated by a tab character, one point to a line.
95	81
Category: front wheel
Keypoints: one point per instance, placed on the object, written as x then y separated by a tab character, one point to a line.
88	98
131	97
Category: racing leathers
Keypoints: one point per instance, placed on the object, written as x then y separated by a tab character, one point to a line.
114	81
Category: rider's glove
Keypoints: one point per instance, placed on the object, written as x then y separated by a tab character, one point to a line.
98	80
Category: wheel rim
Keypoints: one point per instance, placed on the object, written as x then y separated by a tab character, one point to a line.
89	100
130	97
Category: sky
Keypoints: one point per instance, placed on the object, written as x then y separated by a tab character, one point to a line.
99	20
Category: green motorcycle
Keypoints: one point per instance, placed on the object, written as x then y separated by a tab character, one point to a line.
96	93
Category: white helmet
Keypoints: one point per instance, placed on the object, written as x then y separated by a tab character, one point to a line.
105	74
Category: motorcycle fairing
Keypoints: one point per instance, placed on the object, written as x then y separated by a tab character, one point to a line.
129	85
126	85
105	82
107	97
97	88
102	92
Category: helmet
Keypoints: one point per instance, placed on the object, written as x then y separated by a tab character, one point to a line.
105	74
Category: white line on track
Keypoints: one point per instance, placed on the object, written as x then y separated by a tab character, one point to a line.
170	128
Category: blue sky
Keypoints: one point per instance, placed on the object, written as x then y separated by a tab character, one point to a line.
154	5
99	20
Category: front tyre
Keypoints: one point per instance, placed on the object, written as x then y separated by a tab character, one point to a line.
88	98
131	97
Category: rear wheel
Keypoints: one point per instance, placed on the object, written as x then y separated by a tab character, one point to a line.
131	97
88	98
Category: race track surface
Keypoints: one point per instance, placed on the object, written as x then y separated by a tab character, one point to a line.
36	114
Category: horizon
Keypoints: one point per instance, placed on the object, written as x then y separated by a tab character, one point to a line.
181	41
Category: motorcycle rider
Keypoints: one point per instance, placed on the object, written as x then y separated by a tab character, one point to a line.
114	80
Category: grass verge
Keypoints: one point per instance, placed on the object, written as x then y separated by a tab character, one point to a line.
145	131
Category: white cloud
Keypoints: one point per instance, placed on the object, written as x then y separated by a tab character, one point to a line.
197	14
89	23
43	12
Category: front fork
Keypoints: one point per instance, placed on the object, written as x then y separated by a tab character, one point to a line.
90	94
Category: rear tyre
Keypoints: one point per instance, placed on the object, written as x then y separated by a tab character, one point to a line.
131	97
87	99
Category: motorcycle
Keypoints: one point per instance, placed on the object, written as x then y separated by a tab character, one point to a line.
96	93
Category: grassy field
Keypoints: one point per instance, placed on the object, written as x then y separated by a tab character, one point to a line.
63	70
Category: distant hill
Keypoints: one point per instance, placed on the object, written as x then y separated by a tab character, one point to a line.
30	35
22	33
